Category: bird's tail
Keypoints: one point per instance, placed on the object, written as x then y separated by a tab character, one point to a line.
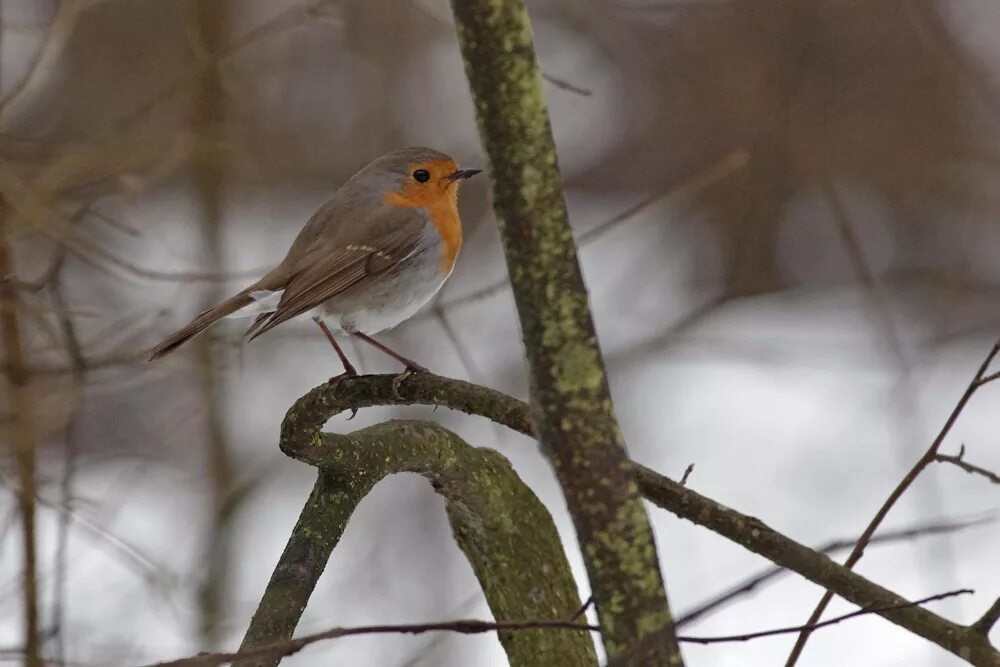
202	322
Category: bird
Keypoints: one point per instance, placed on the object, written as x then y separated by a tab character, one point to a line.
369	258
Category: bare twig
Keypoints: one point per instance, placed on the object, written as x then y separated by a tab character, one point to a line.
959	460
822	624
287	648
565	85
473	626
60	28
697	183
463	351
889	537
687	474
583	609
23	443
713	174
78	363
924	461
989	378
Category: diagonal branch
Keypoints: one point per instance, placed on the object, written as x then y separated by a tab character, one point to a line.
988	619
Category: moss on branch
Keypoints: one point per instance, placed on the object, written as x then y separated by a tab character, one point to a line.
503	529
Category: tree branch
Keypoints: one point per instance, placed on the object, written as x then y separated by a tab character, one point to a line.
272	653
572	404
959	460
988	619
503	529
24	442
275	651
301	431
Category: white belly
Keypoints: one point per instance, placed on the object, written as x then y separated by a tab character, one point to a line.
383	306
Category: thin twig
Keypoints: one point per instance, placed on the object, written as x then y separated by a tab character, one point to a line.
463	351
60	29
473	626
924	461
23	443
634	658
687	474
959	460
567	86
583	609
695	184
704	179
989	378
78	363
292	646
751	584
822	624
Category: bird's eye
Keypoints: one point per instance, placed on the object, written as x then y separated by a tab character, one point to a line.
421	176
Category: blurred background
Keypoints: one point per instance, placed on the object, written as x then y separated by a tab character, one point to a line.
787	212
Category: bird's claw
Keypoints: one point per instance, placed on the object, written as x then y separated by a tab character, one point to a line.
411	369
335	382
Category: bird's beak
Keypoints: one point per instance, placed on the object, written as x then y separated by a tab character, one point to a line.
462	174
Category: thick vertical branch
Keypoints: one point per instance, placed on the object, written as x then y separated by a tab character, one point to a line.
23	442
572	403
209	19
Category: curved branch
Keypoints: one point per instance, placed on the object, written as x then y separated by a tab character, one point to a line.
503	529
301	438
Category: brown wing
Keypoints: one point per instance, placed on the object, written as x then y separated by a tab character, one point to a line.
332	266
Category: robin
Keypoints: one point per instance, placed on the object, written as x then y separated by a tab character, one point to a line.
367	260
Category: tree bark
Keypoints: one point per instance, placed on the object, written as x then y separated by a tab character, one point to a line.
571	402
503	529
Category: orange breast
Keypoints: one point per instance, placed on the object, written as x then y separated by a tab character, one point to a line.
441	204
449	226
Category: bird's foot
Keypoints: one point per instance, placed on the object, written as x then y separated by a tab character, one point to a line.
335	382
411	369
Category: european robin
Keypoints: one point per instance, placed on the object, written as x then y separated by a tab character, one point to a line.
367	260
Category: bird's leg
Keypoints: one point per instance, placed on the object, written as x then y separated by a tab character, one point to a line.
349	371
411	366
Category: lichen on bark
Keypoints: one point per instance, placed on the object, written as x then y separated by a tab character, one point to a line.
576	424
505	532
